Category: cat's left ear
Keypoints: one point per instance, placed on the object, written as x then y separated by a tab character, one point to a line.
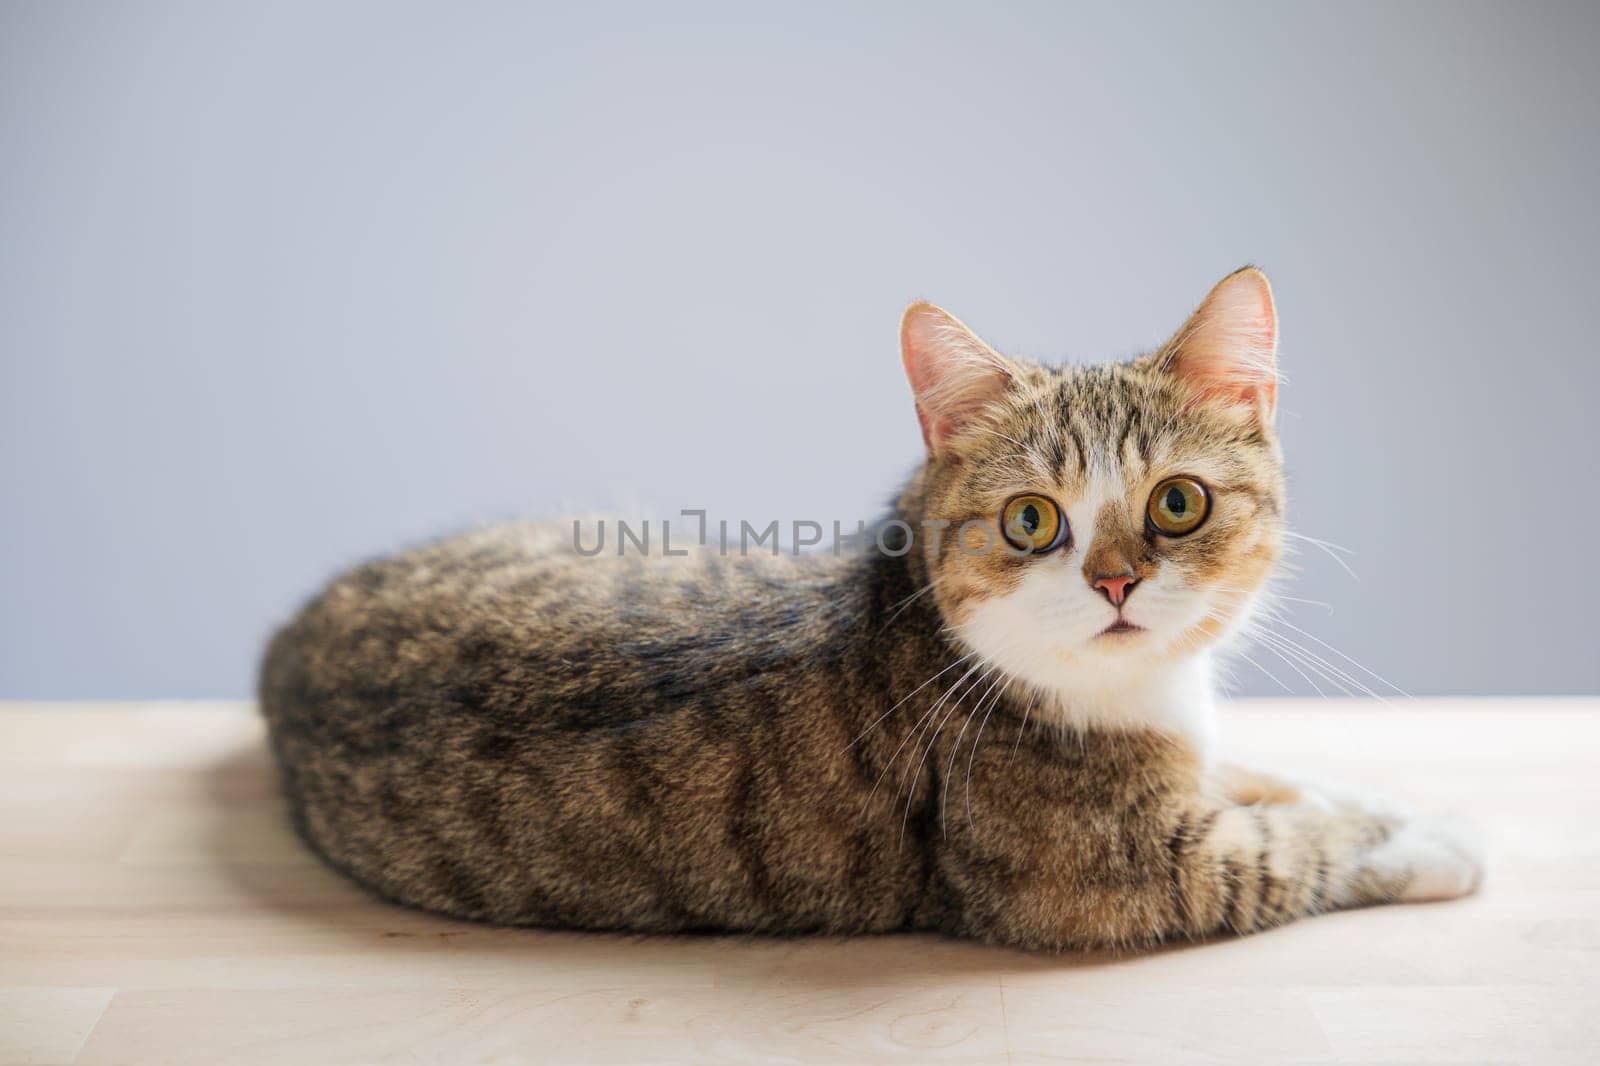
954	376
1228	350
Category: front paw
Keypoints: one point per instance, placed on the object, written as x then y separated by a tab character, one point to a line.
1433	857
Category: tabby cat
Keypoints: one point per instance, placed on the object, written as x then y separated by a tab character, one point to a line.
1013	744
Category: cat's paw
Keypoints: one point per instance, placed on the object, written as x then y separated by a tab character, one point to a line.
1432	858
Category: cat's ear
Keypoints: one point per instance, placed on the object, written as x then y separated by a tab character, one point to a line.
953	374
1228	350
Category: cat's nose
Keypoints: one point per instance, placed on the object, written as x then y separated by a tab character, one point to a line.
1115	586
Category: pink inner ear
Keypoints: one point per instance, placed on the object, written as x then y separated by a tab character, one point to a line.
953	374
1228	348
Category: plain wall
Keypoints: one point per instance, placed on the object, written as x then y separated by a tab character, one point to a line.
286	285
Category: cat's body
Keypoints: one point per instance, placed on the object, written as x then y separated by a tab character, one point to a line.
500	727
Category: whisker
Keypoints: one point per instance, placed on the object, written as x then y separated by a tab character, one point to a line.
893	758
1293	666
933	738
1270	596
1297	599
1330	550
926	723
1021	731
974	753
1377	677
1264	670
1330	545
902	606
907	696
1001	680
1342	679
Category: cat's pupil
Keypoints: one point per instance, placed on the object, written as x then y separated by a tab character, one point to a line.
1030	518
1175	501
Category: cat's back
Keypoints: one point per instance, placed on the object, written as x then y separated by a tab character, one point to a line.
516	622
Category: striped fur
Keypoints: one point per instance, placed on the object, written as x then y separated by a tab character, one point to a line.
497	727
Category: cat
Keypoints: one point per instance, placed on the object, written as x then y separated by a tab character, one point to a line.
1013	744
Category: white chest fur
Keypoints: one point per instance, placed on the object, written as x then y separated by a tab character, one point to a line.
1176	698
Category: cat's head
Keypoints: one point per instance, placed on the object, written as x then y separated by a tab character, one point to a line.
1132	512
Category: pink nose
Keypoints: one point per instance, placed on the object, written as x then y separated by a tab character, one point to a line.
1116	587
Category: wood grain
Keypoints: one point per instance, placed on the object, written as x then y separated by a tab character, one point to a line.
156	908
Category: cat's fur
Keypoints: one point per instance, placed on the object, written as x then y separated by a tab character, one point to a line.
497	727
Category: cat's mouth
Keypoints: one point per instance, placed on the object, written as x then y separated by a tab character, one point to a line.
1121	627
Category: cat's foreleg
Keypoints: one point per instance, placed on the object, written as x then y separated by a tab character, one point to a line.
1242	869
1200	868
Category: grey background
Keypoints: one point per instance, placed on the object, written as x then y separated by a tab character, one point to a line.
284	285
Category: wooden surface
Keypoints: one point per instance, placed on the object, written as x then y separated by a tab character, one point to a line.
155	907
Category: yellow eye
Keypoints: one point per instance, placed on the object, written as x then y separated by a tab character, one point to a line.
1178	506
1032	524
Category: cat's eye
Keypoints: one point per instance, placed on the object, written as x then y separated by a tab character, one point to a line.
1033	524
1178	506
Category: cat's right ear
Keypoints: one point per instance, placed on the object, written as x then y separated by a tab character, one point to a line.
953	374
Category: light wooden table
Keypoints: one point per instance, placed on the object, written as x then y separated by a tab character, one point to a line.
155	907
